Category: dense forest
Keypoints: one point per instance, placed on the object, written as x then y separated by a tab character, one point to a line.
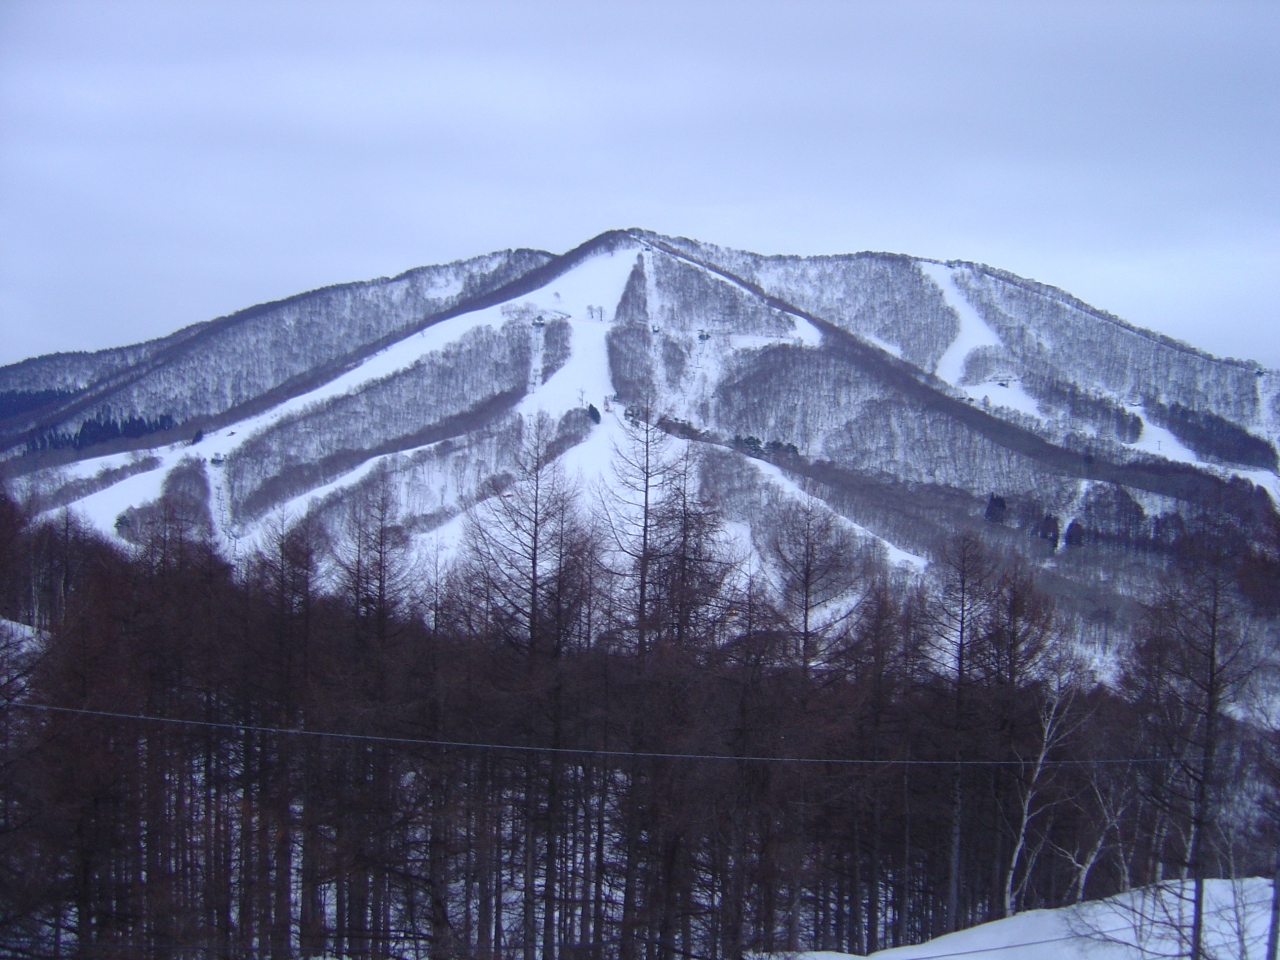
600	729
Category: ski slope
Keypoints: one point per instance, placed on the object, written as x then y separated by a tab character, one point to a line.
974	332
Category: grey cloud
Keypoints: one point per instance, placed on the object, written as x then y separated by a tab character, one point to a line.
164	163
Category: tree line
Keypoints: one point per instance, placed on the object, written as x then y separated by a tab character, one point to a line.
599	730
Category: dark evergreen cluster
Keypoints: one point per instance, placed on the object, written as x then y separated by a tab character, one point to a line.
14	402
594	733
98	430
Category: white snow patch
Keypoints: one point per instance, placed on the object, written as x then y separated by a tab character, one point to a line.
589	463
299	505
885	345
586	466
84	469
1004	393
896	555
443	543
974	332
18	631
447	286
16	639
87	469
1267	480
1162	443
900	557
395	358
1134	926
738	533
584	378
746	341
703	371
808	334
598	283
101	509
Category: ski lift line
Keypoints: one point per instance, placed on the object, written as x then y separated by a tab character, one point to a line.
573	751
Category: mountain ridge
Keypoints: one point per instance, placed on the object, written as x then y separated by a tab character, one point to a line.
883	381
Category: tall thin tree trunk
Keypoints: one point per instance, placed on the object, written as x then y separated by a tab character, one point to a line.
627	946
529	935
904	870
282	927
873	882
442	940
953	862
598	928
551	880
310	912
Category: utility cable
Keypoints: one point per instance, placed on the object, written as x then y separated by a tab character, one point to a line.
570	751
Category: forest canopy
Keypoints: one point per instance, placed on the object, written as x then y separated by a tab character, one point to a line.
597	731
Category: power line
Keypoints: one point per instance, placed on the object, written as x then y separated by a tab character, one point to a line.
571	751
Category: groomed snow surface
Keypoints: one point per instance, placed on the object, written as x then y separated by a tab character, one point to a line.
974	333
1140	925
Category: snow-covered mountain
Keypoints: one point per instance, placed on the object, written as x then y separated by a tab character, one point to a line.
915	397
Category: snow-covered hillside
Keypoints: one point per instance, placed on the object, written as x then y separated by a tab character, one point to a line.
915	397
1141	925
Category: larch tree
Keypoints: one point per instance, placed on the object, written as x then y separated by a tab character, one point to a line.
814	554
1198	649
628	509
967	572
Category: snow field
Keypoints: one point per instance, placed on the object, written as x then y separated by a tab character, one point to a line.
1140	925
587	295
974	333
1160	442
896	555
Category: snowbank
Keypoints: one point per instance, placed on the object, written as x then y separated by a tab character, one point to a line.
1140	925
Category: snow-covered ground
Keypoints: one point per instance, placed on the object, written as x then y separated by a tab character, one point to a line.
1161	442
1141	925
974	333
584	379
585	297
890	348
17	630
894	554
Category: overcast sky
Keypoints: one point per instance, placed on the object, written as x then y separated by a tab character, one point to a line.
166	163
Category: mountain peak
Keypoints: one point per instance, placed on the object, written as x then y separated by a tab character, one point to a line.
912	393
